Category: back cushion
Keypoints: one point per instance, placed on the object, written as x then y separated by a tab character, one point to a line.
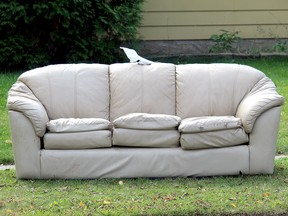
71	90
212	89
142	89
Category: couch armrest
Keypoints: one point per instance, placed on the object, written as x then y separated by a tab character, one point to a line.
22	99
26	146
263	140
261	98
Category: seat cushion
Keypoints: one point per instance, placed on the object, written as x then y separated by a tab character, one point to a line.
209	123
147	121
213	139
78	124
145	138
78	140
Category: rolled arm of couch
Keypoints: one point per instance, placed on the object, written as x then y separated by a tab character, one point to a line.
260	99
22	99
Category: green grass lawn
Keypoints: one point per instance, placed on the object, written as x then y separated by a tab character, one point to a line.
6	155
253	195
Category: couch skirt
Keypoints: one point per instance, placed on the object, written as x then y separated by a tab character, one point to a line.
143	162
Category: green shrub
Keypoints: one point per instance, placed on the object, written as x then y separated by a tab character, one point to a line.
280	46
224	41
34	33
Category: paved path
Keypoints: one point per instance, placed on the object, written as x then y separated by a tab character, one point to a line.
7	167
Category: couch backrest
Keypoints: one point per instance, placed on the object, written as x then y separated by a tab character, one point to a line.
102	91
142	88
212	89
71	90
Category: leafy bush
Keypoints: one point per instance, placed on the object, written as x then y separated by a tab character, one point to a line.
280	46
223	42
39	32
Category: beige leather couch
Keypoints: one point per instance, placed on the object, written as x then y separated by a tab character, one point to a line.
130	120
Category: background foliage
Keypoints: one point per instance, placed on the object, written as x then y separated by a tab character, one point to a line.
39	32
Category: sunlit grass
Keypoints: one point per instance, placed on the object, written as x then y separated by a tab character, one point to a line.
262	194
6	81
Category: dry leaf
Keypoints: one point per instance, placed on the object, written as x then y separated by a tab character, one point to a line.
233	205
9	211
266	194
168	198
82	204
106	202
233	198
8	142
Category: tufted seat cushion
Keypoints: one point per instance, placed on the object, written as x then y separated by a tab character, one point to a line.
78	140
78	124
209	123
211	132
146	130
146	121
78	133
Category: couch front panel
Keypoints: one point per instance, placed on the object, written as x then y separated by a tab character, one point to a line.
143	162
71	90
142	89
212	89
78	140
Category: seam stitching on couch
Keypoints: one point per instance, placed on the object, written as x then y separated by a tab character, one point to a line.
75	94
50	103
109	92
209	91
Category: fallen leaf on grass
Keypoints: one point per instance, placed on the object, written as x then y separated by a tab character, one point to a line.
64	189
266	194
233	198
168	198
203	204
81	204
106	202
9	211
233	205
8	142
2	204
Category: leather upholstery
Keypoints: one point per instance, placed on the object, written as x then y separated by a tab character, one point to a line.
78	140
146	121
78	124
145	138
209	123
214	139
71	90
143	162
108	92
22	99
140	88
213	89
262	97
